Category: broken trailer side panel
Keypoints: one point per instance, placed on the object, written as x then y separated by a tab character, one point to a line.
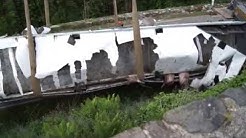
67	59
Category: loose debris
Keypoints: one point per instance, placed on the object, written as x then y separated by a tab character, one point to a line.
37	30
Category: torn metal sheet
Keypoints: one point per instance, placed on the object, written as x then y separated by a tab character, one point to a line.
170	51
225	63
180	49
66	59
175	47
22	56
8	42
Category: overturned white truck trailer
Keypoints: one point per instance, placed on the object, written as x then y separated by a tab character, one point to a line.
82	61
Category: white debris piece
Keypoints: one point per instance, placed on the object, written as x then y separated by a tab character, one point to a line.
176	49
33	30
8	42
39	30
22	56
44	30
54	53
221	56
3	36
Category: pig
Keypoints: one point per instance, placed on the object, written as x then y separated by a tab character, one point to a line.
184	80
168	80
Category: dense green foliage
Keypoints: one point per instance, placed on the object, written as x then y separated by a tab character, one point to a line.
12	19
105	117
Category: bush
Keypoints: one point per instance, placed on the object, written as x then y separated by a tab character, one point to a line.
155	109
100	117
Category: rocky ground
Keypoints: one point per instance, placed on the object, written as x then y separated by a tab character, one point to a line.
188	14
222	117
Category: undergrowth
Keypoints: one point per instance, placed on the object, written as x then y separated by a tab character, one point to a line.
105	117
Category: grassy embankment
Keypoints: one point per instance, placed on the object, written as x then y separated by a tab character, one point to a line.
106	116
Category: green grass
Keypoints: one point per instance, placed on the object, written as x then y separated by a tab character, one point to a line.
103	117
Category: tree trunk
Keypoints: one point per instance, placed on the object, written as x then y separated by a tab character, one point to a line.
137	41
85	11
32	56
47	12
115	12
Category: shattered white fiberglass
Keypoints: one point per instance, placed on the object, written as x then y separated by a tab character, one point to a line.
179	49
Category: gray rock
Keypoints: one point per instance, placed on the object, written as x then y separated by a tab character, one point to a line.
215	135
211	118
209	11
183	11
237	94
156	129
230	104
147	21
136	132
236	127
200	116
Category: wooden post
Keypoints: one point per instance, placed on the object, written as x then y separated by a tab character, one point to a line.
212	3
32	56
115	12
47	12
137	41
85	9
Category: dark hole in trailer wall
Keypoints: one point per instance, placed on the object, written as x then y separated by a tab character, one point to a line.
234	36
